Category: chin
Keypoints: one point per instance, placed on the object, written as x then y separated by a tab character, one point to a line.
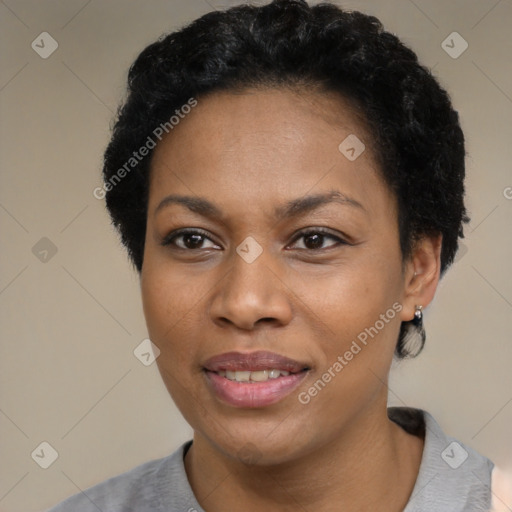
266	446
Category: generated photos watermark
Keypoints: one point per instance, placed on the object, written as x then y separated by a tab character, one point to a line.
343	360
144	150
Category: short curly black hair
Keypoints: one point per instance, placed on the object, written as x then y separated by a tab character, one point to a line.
416	133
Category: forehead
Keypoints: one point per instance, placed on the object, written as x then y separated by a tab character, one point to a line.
265	145
254	112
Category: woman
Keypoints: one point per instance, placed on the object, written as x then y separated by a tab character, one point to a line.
289	184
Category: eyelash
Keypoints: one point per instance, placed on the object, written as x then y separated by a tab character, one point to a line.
169	240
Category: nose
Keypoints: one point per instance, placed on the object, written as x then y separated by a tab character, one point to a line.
250	295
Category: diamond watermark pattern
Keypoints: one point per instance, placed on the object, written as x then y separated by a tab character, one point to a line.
44	250
461	252
454	45
45	455
454	455
249	249
44	45
146	352
351	147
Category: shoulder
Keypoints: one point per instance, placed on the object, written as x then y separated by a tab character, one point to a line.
453	477
141	488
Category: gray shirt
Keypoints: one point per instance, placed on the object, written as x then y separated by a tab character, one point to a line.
452	478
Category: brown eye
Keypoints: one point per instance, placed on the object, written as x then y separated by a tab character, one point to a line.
189	240
315	239
192	241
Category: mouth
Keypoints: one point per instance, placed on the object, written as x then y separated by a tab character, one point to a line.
253	380
253	376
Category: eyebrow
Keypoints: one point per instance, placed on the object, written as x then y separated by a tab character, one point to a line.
292	208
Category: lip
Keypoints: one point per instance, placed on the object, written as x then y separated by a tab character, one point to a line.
253	394
253	361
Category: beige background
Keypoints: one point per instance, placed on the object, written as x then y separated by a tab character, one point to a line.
69	325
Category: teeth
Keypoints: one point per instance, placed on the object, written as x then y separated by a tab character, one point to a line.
257	376
260	376
242	376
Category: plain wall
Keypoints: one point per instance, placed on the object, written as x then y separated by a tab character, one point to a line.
69	325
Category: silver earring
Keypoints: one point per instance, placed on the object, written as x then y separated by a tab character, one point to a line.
418	314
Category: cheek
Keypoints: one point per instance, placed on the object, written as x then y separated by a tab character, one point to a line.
351	296
170	301
359	303
355	355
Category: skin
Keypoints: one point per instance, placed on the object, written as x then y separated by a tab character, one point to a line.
248	153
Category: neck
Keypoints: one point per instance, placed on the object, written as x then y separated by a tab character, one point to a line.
372	465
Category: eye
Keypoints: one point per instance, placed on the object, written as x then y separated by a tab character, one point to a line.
194	239
189	239
314	239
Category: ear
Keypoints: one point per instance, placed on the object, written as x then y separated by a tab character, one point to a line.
421	275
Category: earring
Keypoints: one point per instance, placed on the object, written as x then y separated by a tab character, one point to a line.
414	335
418	315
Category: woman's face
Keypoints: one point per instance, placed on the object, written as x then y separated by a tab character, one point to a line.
293	265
